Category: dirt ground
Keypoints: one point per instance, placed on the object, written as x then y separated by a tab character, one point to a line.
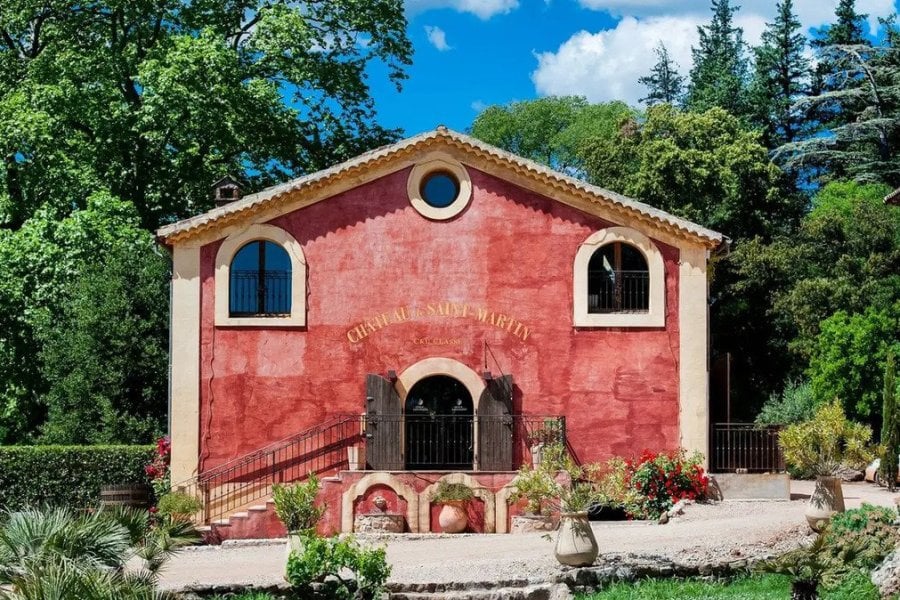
734	529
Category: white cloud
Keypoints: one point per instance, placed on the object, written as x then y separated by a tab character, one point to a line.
478	105
812	13
483	9
437	37
606	65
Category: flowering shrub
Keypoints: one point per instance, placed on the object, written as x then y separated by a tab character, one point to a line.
662	479
158	470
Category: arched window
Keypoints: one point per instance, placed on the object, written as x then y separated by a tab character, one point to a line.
260	281
618	280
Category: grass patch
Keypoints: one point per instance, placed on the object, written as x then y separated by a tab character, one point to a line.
757	587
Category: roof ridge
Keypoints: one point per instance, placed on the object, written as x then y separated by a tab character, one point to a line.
251	202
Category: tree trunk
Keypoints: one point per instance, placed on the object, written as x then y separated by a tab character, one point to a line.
807	589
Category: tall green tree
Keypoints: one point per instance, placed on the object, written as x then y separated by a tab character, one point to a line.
858	111
706	167
890	424
551	130
845	256
720	69
152	100
83	316
664	84
781	75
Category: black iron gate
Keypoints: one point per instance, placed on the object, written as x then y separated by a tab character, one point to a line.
439	442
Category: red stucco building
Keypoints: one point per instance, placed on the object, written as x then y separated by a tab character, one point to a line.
430	305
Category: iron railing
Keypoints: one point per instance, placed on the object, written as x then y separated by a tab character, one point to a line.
618	291
260	293
323	450
745	447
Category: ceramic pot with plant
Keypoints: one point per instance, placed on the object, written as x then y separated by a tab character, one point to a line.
454	498
576	545
296	507
538	489
826	446
546	435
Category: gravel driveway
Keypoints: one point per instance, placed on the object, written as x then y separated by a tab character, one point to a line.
738	529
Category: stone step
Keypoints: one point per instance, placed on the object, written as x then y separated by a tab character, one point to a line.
486	592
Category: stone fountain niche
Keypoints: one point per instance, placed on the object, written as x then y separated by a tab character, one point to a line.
379	510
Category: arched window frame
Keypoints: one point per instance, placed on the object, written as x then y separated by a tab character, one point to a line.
224	257
655	316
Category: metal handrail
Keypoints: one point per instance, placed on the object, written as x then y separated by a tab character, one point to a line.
321	450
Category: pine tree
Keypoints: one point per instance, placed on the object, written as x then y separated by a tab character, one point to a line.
890	427
719	74
856	112
848	28
664	83
781	76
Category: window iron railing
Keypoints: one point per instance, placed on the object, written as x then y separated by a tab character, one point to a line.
255	293
618	291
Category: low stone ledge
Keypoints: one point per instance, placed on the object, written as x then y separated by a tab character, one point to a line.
752	486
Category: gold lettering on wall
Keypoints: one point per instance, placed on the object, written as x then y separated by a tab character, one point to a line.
440	310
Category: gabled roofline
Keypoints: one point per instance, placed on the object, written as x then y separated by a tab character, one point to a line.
474	152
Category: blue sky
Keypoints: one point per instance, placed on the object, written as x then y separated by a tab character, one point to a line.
473	53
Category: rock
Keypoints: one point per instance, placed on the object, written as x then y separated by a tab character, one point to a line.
378	523
887	576
852	475
531	523
664	518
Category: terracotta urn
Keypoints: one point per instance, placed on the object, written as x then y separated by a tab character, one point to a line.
453	517
826	500
576	545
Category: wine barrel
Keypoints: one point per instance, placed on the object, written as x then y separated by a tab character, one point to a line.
136	495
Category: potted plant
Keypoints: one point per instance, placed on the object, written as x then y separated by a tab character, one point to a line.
296	507
179	506
826	446
455	498
538	489
547	434
576	545
356	458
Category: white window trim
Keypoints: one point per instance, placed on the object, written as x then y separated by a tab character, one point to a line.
655	316
226	253
414	188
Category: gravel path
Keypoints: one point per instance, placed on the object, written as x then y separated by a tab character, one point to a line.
706	532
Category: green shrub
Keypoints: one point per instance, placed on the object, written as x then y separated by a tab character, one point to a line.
536	487
67	475
868	533
330	558
826	444
296	506
857	586
452	492
178	504
794	404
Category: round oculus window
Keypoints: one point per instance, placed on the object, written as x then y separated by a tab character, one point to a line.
439	189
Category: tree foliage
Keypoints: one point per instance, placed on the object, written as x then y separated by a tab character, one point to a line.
152	100
705	167
781	74
550	130
84	318
845	255
664	84
718	77
890	424
848	359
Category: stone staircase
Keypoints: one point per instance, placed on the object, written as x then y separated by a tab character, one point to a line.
257	521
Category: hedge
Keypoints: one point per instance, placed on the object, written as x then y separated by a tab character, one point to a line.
67	475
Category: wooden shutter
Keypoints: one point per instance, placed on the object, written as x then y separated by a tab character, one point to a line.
384	421
495	426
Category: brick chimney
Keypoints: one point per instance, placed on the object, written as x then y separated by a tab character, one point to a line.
227	190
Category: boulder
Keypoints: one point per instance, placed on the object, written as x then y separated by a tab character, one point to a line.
887	576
